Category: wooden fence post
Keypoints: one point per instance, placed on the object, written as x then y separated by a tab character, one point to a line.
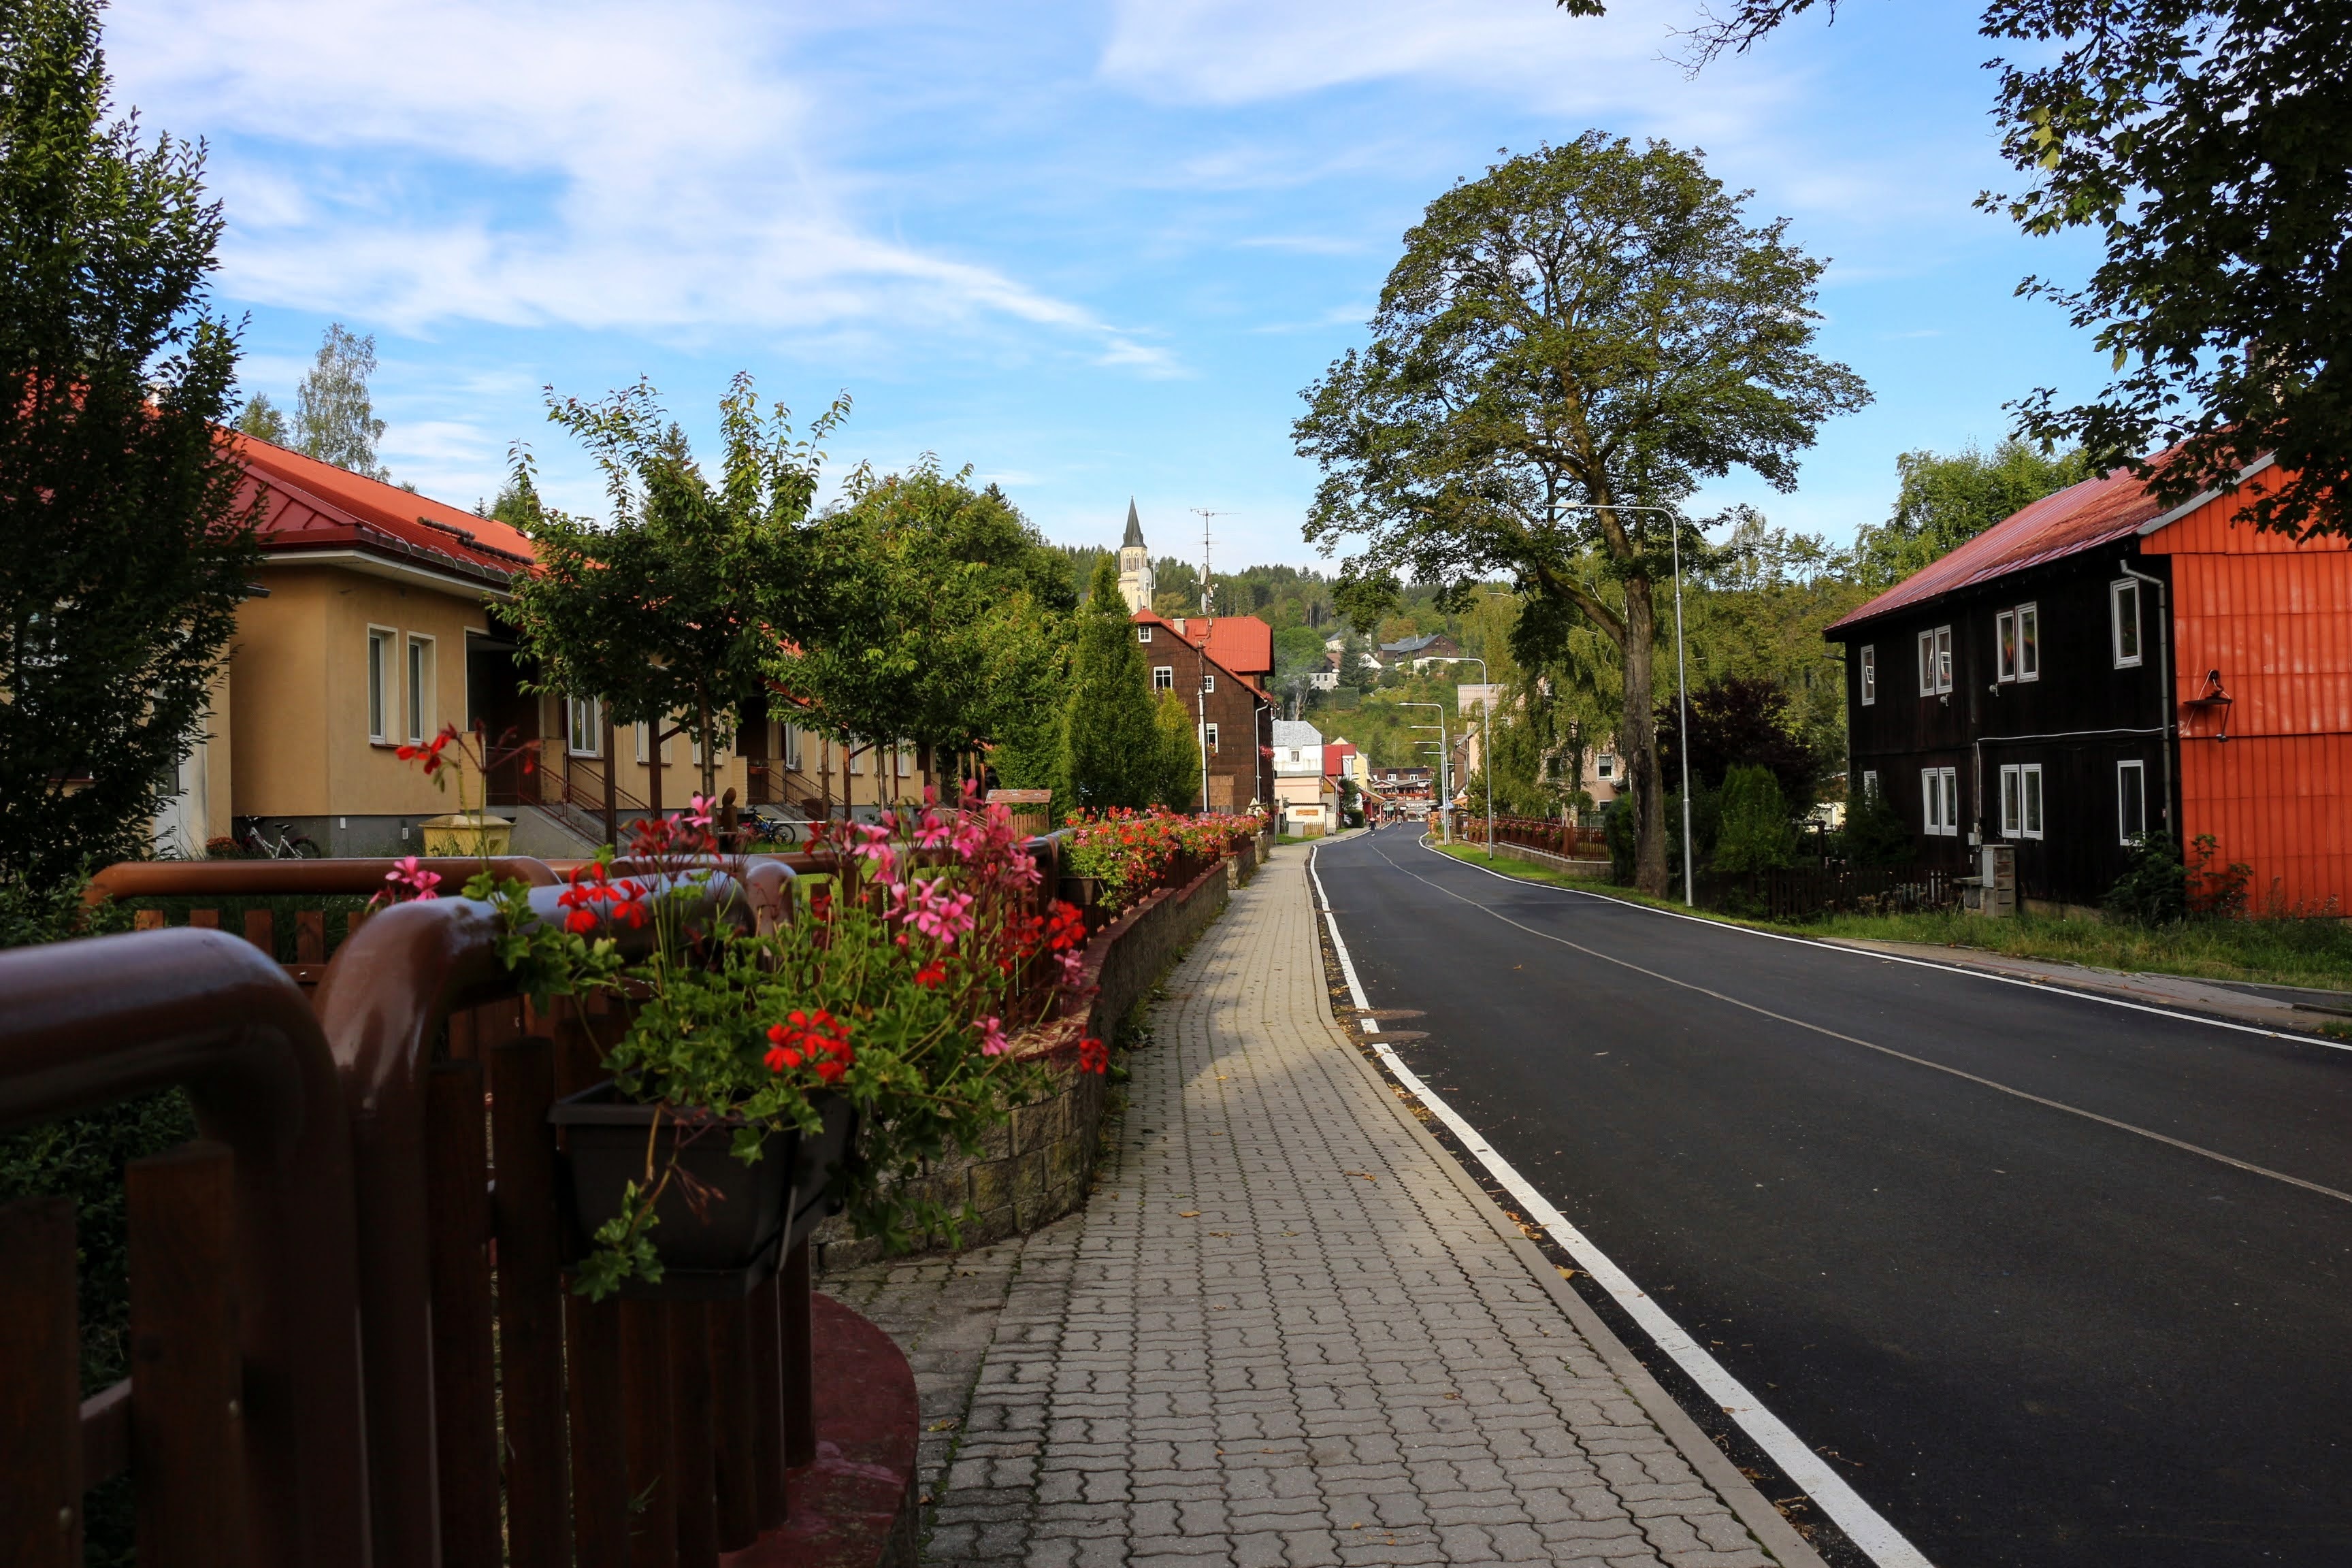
530	1302
187	1370
40	1388
465	1379
652	1493
799	1363
600	1474
689	1434
734	1455
767	1403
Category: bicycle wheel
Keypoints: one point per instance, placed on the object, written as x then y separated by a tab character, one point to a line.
303	849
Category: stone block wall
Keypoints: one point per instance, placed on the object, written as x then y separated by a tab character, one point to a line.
1036	1167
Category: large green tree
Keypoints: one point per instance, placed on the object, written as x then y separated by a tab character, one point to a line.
1944	502
127	549
926	611
334	412
1584	330
2208	144
1113	757
657	608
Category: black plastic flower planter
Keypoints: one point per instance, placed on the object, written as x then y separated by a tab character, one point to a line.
721	1225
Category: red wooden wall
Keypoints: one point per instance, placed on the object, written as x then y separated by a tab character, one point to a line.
2274	618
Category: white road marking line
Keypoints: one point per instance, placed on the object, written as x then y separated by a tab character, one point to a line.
2196	1149
2057	987
1879	1540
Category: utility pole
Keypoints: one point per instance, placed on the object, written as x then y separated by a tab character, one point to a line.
1445	769
1486	735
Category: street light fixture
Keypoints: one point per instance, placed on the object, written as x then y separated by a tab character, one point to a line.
1486	738
1682	677
1444	768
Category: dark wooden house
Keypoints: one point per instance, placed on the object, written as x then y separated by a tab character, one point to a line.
1234	714
2066	681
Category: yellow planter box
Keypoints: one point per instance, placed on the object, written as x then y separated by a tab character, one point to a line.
471	834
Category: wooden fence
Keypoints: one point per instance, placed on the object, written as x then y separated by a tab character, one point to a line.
353	1338
1810	892
1534	833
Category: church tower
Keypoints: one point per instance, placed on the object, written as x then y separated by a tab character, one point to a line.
1134	564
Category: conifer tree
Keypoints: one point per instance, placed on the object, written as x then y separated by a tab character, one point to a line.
1180	752
1114	744
128	549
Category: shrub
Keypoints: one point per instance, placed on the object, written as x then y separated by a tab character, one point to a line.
1618	827
1876	834
2154	888
1752	832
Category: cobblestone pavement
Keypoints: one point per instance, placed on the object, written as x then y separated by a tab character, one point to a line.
1280	1335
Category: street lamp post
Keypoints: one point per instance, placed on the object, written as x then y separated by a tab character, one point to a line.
1682	679
1486	738
1201	731
1445	769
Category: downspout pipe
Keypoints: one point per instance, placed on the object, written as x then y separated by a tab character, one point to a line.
2169	720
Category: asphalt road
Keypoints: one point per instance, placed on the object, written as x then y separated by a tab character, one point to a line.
2026	1336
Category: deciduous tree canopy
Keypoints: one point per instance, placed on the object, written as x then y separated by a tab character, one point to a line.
1584	332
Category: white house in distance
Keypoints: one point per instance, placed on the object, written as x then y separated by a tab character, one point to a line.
1309	801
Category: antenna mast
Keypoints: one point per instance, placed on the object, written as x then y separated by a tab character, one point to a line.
1204	514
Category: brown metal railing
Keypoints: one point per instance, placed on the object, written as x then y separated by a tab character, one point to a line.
396	1182
248	1439
1536	833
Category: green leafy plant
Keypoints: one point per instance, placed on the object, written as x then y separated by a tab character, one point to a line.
1752	832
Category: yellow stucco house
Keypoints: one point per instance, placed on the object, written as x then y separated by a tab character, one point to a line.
373	624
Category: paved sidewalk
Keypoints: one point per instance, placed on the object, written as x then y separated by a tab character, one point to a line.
1280	1335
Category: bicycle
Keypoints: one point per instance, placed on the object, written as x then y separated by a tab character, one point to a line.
287	846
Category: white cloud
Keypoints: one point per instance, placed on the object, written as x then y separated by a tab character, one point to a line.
527	163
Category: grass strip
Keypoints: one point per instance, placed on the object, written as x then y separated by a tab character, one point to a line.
2262	949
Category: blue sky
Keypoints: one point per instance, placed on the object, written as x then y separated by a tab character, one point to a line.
1091	249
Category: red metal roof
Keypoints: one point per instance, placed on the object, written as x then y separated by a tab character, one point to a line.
1209	646
1242	644
313	505
2078	518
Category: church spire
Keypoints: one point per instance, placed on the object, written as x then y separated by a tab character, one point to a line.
1134	540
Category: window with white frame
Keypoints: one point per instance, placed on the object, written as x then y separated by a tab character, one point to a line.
2017	641
905	752
1208	680
1209	733
1869	673
1143	633
792	748
1604	765
2131	801
856	755
584	719
1163	677
2123	605
421	706
379	679
1869	783
646	743
2021	800
1934	661
1939	801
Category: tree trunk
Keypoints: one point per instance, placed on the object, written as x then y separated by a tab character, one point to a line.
652	770
1639	742
708	747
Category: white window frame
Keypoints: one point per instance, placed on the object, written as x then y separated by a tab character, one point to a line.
1869	783
852	756
2120	590
1604	765
2024	805
382	683
905	752
1143	633
792	748
1936	661
2136	772
2029	642
1163	677
1939	802
1208	680
421	690
1208	733
1869	675
2004	644
583	720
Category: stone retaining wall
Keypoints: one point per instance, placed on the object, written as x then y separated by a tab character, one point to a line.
1035	1167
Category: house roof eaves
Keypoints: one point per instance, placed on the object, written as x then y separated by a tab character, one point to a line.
375	563
2205	498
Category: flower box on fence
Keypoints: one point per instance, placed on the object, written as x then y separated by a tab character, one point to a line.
722	1225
